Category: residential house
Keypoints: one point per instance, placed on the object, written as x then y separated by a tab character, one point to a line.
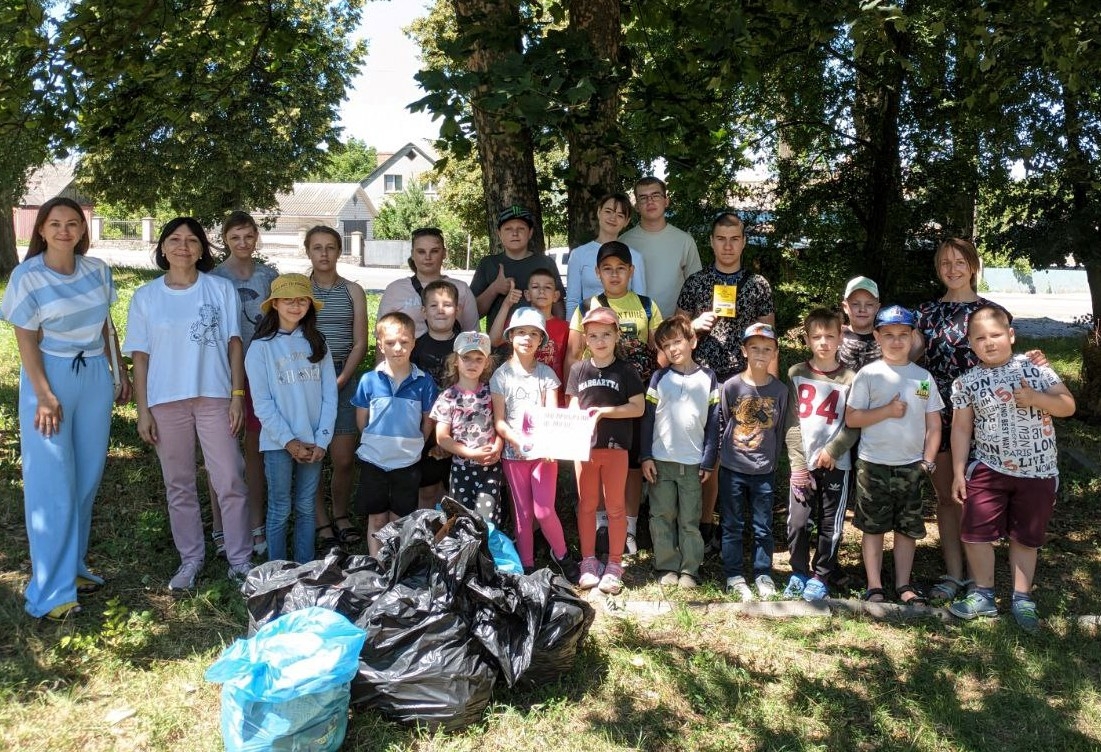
343	206
396	171
49	180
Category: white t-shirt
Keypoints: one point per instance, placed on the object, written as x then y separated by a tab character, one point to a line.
522	391
670	256
1017	441
401	296
894	441
186	334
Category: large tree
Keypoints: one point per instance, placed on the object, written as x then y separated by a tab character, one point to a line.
208	106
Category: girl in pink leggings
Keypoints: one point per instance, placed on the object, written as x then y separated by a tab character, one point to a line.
520	385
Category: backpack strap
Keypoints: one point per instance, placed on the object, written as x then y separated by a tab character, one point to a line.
418	288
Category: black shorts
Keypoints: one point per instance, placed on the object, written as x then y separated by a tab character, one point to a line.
433	471
381	491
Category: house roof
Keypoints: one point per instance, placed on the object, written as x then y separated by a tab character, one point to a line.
320	199
53	179
423	149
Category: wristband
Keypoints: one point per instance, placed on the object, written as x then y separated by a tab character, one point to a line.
929	467
238	392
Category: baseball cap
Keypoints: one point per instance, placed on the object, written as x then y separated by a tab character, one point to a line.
759	330
291	286
861	283
894	315
515	212
468	342
527	316
614	249
601	315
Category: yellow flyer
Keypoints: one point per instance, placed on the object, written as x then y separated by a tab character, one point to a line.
725	301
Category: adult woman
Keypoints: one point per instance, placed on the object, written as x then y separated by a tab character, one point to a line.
252	279
940	337
612	216
58	300
426	261
343	321
184	335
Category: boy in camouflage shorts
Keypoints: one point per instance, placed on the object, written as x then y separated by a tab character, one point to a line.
896	405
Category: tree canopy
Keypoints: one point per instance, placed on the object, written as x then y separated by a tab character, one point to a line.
208	106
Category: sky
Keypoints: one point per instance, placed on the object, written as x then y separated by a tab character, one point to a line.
375	111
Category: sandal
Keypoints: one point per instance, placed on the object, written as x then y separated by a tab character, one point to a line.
219	539
64	611
947	588
346	535
326	542
86	585
874	595
918	598
259	547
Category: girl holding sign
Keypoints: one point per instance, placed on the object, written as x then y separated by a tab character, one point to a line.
520	386
611	390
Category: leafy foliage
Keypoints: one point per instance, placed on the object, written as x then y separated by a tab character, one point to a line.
347	162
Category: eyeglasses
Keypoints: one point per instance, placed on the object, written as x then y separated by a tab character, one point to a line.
646	198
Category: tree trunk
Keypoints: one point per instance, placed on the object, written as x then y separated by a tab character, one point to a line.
9	257
594	136
493	32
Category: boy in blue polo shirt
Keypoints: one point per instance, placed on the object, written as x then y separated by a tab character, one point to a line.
392	404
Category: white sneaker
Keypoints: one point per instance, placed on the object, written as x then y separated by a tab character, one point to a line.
185	576
238	573
738	586
766	588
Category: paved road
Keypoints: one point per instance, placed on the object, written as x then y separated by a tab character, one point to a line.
1035	315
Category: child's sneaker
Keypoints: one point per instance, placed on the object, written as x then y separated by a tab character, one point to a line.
816	590
739	587
1024	611
185	576
796	583
974	605
630	546
612	581
591	569
687	582
766	588
669	579
238	573
567	566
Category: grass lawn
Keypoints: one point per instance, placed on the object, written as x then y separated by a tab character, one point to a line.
127	674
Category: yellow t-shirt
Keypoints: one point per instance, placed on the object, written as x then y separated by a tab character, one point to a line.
634	330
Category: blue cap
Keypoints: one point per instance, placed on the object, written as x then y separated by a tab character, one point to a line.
894	315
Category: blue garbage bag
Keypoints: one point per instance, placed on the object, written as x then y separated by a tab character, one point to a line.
288	686
505	557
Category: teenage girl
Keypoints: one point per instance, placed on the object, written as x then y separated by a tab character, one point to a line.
294	395
523	384
343	321
610	389
464	426
252	278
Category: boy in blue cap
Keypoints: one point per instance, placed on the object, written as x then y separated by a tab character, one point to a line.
896	405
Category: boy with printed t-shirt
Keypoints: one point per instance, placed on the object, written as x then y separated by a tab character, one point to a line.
1002	411
896	406
858	343
753	410
819	447
638	318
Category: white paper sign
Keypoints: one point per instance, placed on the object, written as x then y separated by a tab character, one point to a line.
559	434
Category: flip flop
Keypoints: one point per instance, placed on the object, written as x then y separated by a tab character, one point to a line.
86	585
64	611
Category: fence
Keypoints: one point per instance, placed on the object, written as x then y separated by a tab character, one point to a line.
121	229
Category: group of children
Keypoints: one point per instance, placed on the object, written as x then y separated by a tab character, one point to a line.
857	416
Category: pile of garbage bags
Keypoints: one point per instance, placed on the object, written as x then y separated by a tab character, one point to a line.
443	623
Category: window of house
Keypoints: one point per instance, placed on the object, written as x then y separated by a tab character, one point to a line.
392	183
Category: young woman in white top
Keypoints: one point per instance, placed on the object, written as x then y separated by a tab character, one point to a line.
184	335
58	300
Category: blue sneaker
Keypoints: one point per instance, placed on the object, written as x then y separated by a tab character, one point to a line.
1024	611
816	590
795	586
974	605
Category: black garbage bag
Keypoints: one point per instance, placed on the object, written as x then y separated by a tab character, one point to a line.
442	622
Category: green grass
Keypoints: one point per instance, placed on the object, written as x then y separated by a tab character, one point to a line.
692	680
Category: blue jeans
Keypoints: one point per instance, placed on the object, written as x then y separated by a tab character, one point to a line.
290	482
733	489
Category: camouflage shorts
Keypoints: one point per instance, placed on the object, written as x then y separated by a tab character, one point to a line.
889	498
